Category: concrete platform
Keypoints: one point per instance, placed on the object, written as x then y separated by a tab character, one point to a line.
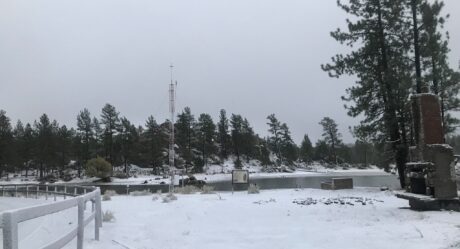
428	203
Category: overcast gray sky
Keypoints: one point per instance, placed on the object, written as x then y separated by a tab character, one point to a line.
251	57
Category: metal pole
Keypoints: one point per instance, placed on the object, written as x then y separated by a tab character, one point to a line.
27	191
38	189
46	190
55	190
65	192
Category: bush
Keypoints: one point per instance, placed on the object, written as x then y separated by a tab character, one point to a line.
207	190
106	197
140	193
169	197
98	167
108	216
187	190
253	189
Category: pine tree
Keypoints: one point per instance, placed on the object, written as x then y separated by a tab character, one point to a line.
379	59
248	140
45	143
156	143
275	139
236	123
85	127
64	146
6	138
306	150
223	135
111	121
127	139
331	136
445	82
185	135
206	136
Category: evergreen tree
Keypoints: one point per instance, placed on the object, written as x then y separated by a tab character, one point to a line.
379	59
156	142
331	136
275	138
127	138
6	139
64	146
85	127
185	135
444	81
223	135
45	144
248	140
289	149
306	150
236	123
322	151
206	136
111	121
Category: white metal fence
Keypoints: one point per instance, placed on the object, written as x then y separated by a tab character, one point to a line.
78	197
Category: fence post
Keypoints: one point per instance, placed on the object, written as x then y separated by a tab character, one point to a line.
27	191
81	222
75	191
55	190
15	190
38	189
97	218
46	190
65	191
3	191
10	231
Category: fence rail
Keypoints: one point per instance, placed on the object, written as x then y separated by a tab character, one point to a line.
79	196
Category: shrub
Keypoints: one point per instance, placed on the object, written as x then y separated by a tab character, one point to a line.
98	167
110	193
169	197
207	189
253	189
186	190
108	216
106	197
140	193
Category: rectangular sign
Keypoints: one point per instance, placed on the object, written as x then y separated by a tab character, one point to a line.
240	176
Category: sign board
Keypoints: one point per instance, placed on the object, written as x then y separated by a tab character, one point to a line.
240	176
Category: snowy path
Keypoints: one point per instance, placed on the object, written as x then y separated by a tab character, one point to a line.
272	220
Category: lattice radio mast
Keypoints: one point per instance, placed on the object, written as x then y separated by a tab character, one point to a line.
172	110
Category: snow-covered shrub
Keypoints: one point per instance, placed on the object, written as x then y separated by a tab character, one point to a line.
106	197
108	216
140	193
157	196
169	197
186	190
207	189
110	193
253	189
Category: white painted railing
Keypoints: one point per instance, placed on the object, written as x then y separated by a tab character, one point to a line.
78	198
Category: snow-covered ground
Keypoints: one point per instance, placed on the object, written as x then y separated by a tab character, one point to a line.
306	218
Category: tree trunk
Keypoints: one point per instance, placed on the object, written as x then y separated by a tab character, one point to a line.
418	70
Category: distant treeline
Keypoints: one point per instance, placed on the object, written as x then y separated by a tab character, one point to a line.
49	147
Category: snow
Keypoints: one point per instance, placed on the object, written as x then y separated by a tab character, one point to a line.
271	219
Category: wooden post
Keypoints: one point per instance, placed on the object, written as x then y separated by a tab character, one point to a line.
38	189
10	231
27	191
46	190
81	222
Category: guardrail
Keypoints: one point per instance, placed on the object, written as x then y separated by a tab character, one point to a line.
79	197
